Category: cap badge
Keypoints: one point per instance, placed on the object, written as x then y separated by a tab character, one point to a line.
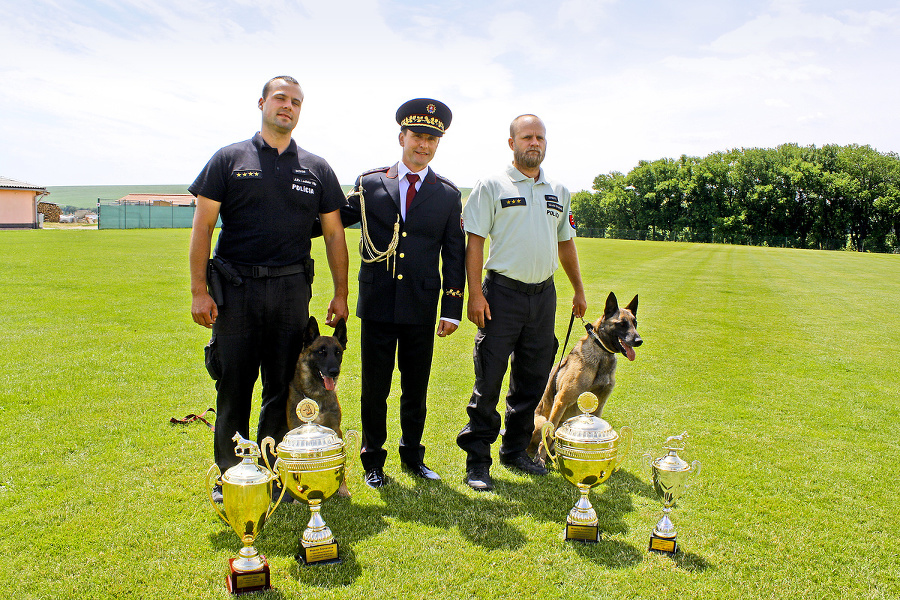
431	108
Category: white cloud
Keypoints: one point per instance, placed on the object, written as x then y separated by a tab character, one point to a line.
143	91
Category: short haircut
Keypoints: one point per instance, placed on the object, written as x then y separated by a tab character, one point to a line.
512	126
288	78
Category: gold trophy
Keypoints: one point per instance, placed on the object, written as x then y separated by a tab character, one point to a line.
246	496
587	451
311	464
670	474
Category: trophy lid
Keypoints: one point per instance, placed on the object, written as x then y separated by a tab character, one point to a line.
586	427
671	461
309	437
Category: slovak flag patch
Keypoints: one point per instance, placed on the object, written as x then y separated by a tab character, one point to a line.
571	219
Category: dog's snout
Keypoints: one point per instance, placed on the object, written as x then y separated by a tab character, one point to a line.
637	341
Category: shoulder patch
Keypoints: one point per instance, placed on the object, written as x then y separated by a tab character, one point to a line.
447	181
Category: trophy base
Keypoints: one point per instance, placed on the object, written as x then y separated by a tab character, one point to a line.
320	554
663	545
242	582
582	533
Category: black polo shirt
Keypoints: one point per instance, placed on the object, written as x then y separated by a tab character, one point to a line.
269	202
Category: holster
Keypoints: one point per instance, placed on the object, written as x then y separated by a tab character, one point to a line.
214	284
218	270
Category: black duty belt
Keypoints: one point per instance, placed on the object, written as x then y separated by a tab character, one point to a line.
514	284
259	271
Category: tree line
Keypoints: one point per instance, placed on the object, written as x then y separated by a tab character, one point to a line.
833	197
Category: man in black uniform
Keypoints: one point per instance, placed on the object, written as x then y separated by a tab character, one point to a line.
268	192
410	224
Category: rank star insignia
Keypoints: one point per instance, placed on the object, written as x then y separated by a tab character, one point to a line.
431	108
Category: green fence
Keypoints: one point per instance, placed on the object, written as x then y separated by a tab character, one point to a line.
143	216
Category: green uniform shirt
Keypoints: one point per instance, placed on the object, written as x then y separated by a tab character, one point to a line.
525	220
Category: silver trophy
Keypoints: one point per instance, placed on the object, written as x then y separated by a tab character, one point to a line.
670	475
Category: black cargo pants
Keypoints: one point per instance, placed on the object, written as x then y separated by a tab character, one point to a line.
259	331
520	332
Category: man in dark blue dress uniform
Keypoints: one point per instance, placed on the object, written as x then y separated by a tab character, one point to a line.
413	255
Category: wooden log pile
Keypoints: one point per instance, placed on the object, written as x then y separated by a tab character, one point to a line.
50	211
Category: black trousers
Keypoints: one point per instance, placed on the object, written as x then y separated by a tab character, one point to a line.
521	333
413	346
259	331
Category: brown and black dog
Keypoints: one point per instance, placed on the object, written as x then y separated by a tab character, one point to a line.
589	367
318	368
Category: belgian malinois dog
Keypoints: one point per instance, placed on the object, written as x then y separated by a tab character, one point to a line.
318	368
589	367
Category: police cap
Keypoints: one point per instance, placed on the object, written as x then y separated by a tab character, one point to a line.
425	115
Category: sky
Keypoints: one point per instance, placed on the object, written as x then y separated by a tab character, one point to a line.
138	92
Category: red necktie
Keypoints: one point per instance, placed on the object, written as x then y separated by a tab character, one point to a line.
412	178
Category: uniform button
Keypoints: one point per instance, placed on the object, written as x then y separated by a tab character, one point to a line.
400	276
401	255
404	234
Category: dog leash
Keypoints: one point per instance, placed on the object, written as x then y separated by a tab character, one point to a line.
192	417
566	343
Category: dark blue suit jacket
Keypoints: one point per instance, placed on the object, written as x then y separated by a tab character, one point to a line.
430	261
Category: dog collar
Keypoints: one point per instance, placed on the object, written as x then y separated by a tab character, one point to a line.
593	335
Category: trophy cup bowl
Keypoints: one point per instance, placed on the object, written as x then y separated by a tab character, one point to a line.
310	464
586	452
246	499
670	476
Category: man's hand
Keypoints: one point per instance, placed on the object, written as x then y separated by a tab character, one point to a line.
337	310
204	310
445	328
477	309
579	305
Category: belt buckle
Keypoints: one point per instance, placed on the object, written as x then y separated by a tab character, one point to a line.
260	271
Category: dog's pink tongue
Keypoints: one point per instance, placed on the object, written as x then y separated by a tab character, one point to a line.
629	351
329	382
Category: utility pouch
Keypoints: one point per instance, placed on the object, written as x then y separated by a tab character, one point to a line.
211	358
214	284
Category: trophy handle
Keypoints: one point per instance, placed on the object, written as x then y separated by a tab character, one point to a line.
283	490
626	436
212	476
352	435
546	432
695	467
266	443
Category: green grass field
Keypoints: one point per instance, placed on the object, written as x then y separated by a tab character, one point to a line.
781	365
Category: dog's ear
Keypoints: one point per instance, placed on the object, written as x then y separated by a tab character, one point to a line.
632	306
340	332
311	332
612	306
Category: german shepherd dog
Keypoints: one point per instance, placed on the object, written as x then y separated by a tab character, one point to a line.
318	368
589	367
